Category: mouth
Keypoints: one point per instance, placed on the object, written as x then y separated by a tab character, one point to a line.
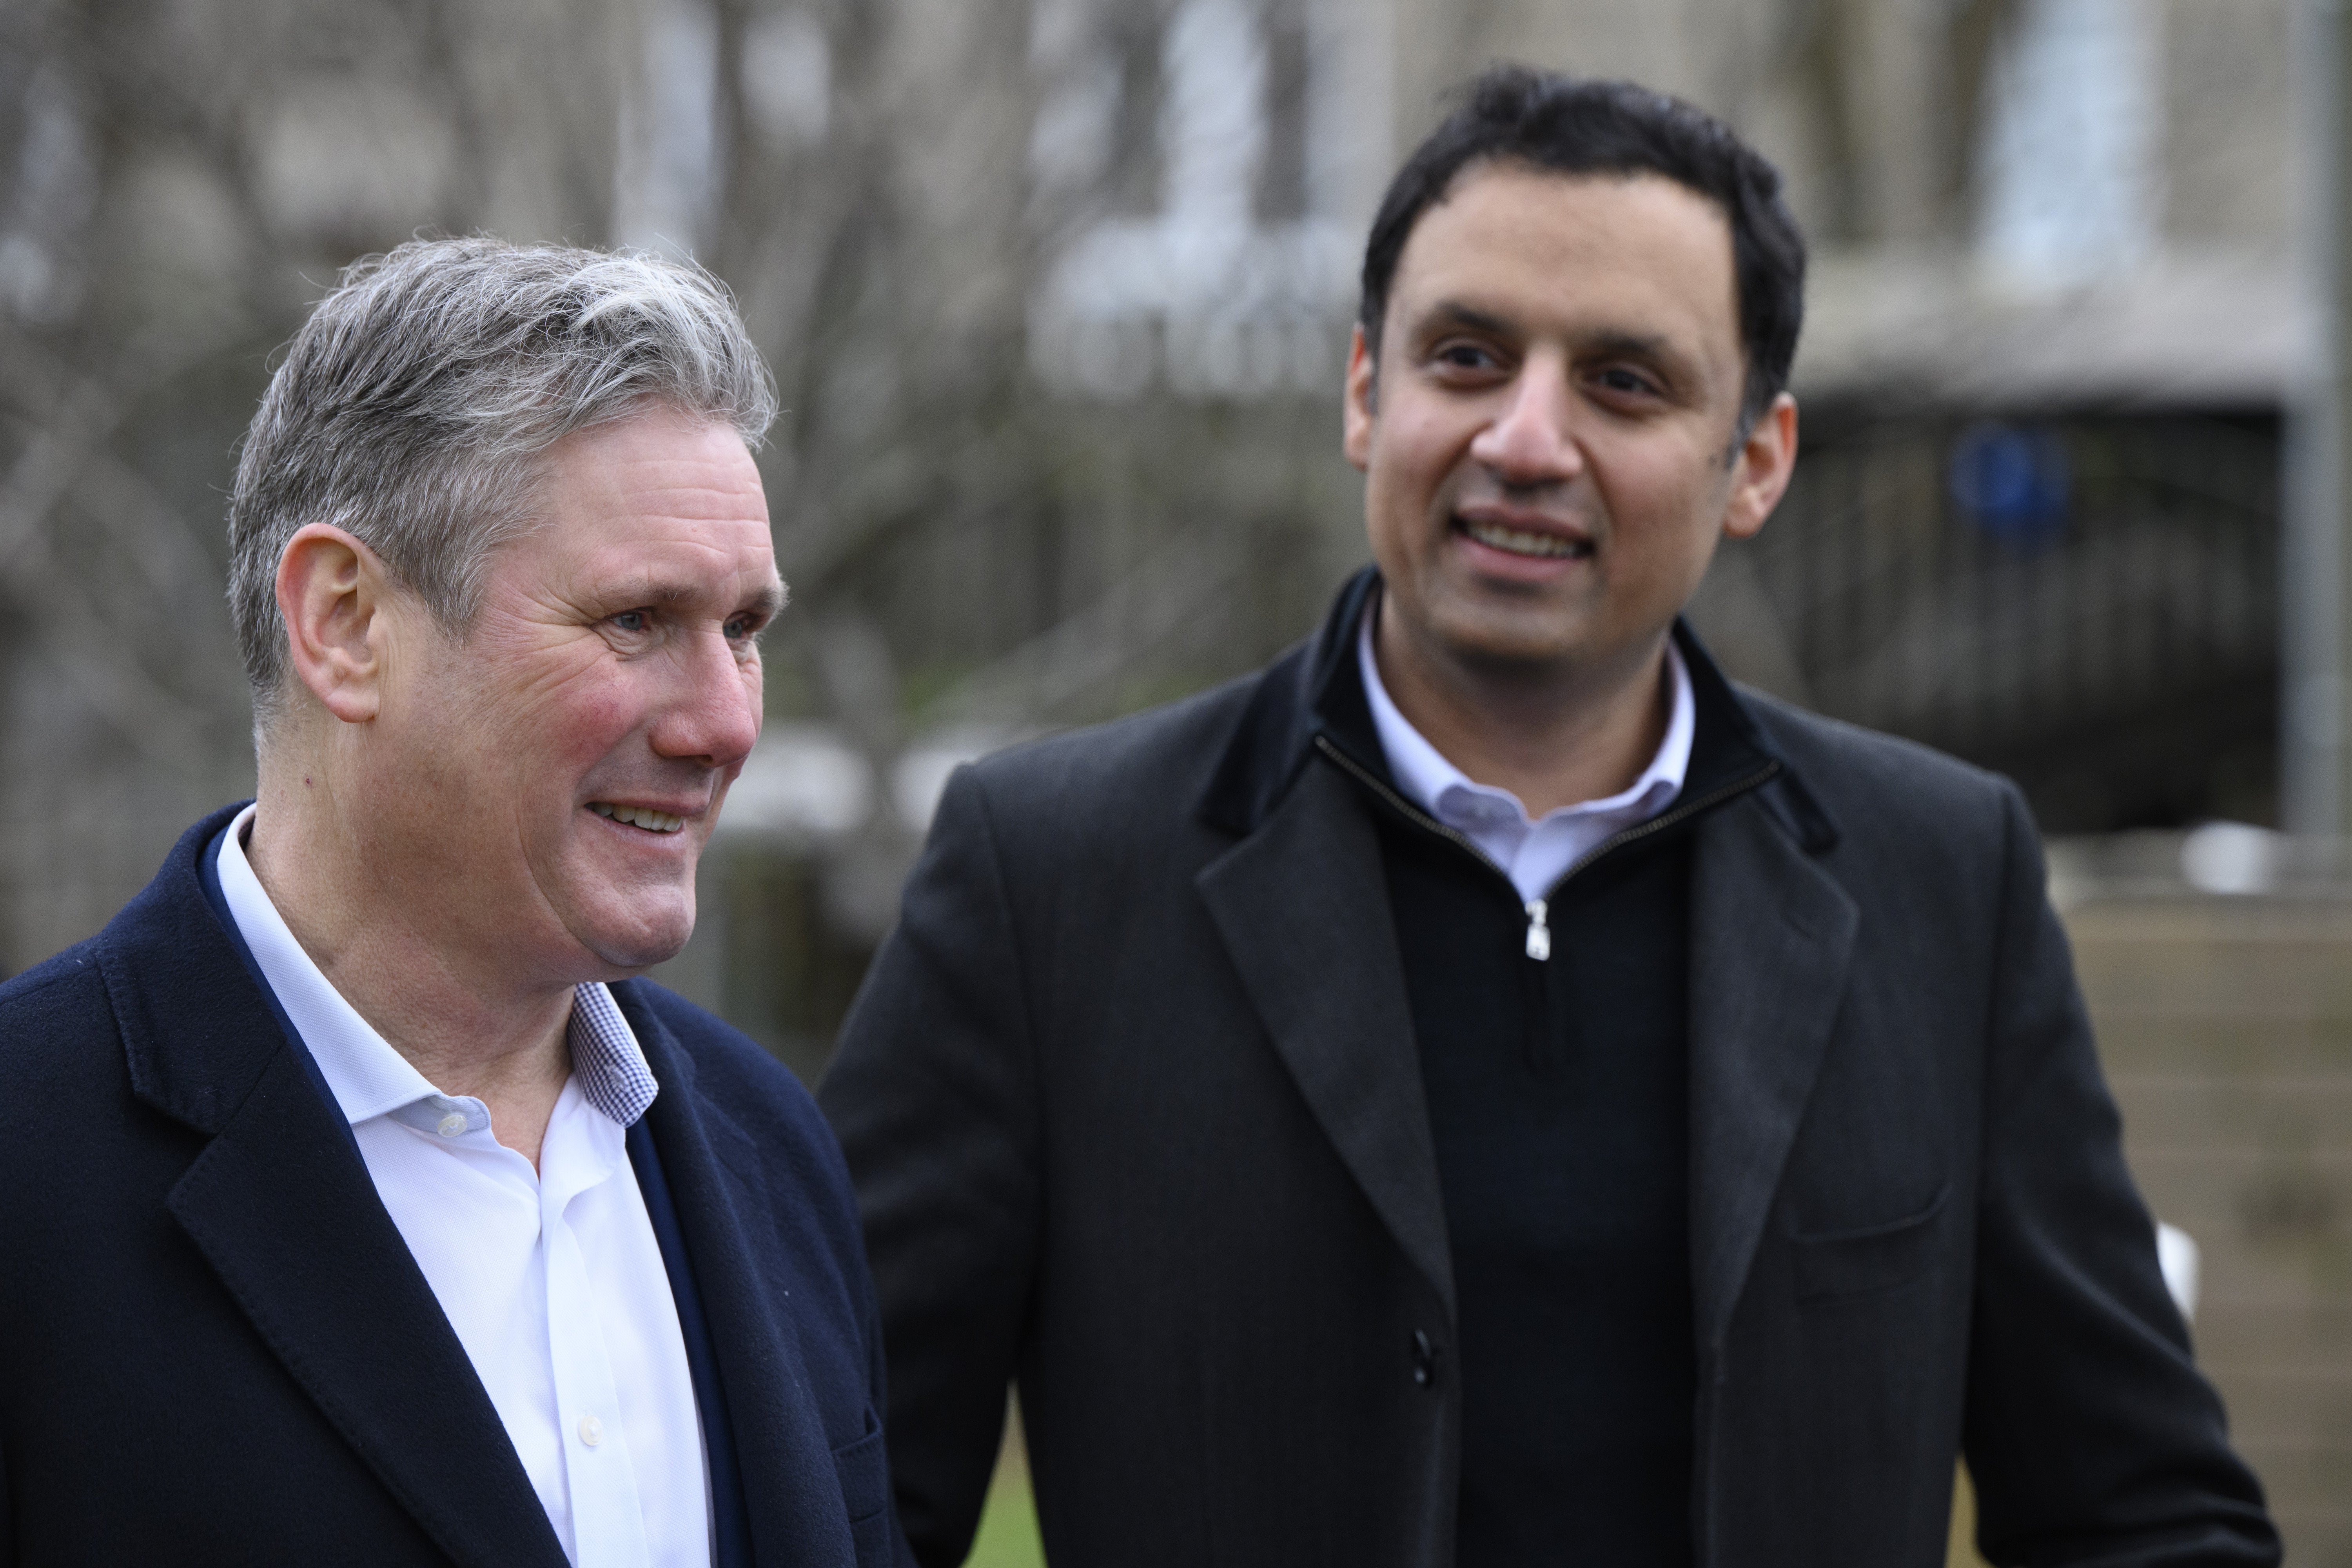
1535	544
644	818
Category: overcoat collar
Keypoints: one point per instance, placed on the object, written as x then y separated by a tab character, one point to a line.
1301	902
1314	691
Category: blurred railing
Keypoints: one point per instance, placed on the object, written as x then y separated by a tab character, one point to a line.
2088	603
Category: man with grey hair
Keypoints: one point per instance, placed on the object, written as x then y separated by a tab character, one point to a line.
363	1208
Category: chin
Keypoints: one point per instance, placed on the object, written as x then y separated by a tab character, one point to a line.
639	944
1499	639
636	959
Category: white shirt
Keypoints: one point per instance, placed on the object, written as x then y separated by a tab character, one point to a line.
551	1279
1533	854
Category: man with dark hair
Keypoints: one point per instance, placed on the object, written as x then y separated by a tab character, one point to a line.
1612	128
364	1206
1484	1089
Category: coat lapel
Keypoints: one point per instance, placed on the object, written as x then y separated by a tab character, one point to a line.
790	1489
1303	908
283	1209
1772	935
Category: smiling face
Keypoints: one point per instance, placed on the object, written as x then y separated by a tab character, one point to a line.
1551	444
546	782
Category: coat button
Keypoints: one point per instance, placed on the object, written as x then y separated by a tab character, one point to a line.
1424	1360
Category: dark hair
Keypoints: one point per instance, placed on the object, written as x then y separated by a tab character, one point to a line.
1513	114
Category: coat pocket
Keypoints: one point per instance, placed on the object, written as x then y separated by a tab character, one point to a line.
863	1468
1866	1261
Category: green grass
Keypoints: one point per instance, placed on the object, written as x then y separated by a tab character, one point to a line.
1008	1525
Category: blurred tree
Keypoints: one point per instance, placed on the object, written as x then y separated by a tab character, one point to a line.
180	179
177	181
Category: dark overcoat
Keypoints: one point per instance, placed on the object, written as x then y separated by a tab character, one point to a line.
1132	1104
215	1347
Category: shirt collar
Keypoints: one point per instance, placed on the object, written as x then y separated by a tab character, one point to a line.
365	1075
1423	773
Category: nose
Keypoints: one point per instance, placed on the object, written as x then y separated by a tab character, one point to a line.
713	716
1529	441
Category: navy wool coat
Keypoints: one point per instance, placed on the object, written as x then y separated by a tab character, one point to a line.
214	1346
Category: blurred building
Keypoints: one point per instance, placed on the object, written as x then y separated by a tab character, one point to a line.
2052	329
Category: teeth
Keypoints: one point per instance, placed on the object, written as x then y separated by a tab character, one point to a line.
1518	542
643	816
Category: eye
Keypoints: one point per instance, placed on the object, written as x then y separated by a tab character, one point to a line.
1631	382
741	627
633	620
1459	355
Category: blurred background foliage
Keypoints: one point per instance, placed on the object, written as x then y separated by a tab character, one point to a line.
1057	294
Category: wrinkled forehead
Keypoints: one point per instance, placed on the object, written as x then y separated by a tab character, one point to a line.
661	511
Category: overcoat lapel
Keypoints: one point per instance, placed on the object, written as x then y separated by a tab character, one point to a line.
790	1487
283	1209
302	1242
1772	935
1303	908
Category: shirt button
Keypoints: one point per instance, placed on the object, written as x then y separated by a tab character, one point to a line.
452	1125
591	1431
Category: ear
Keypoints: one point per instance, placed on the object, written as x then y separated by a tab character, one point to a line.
1761	468
332	594
1356	418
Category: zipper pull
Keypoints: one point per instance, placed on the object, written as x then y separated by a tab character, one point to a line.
1539	933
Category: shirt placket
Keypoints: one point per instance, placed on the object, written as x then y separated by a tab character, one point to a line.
607	1519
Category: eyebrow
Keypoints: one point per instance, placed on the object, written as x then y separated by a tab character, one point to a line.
1643	345
767	603
1640	345
1453	312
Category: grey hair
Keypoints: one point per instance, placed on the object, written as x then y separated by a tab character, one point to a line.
414	407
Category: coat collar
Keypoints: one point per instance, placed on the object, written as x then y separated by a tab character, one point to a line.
1301	902
184	990
282	1206
1314	691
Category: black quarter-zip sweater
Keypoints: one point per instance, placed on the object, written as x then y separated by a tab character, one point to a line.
1558	1101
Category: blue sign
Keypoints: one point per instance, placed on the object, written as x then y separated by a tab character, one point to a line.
2013	483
